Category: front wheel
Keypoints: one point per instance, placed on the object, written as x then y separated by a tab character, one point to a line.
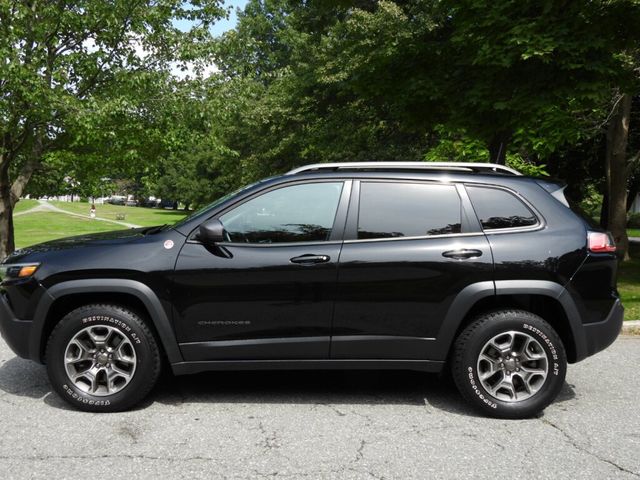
509	364
102	358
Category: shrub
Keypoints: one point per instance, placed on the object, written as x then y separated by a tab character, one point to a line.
633	220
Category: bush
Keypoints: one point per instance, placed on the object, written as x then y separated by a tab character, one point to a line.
633	220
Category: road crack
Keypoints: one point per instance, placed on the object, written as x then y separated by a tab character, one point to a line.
581	448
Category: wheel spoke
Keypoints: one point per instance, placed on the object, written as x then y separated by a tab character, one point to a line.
122	356
97	339
532	371
527	352
525	382
493	367
90	377
116	371
81	353
503	346
109	337
505	384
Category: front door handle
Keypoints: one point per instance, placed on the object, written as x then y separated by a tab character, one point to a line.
310	259
462	253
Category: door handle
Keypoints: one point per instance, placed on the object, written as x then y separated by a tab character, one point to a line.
310	259
462	254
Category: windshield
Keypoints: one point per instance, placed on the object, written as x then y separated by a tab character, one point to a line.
214	204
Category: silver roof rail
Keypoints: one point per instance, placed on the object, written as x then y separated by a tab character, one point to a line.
456	166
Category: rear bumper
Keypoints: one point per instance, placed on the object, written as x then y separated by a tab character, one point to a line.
600	335
14	331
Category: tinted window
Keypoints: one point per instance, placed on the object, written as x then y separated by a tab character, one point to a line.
300	213
390	210
500	209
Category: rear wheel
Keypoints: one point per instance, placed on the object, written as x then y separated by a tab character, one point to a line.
102	358
509	364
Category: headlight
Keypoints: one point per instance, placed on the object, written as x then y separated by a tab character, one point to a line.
10	271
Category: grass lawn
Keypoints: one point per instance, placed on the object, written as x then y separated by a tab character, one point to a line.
629	284
24	205
146	217
40	227
633	232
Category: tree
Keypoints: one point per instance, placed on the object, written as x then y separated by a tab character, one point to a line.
524	78
59	59
619	166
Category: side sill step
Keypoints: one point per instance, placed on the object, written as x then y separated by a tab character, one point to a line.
186	368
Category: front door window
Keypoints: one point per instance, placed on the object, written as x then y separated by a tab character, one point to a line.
298	213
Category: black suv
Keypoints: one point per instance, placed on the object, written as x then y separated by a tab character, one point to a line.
351	266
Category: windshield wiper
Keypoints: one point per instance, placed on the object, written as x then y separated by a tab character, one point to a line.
152	230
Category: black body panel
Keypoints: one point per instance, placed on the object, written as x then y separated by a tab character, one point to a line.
401	290
254	292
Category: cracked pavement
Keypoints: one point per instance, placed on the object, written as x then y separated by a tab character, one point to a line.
323	425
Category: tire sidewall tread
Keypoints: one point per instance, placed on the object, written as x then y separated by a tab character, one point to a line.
467	348
129	324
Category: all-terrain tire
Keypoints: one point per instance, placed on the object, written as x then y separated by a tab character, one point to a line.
102	358
492	379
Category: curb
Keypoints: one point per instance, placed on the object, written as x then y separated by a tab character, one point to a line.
631	327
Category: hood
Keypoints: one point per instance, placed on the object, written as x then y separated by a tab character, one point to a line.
116	237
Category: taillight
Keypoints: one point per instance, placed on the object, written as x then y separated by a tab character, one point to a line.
600	242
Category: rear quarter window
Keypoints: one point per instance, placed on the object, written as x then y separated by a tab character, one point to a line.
499	209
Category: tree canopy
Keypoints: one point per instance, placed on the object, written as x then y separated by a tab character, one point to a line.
538	85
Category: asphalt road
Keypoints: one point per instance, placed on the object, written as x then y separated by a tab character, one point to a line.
323	425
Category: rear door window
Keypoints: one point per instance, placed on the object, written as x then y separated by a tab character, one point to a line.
498	209
395	210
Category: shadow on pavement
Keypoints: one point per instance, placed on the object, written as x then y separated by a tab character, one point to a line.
23	378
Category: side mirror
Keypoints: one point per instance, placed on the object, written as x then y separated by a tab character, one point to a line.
211	231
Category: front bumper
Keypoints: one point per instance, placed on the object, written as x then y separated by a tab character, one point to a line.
14	331
602	334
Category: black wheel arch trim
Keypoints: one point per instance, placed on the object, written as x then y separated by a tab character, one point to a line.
157	314
470	295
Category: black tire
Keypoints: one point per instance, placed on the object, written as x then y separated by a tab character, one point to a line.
474	340
130	330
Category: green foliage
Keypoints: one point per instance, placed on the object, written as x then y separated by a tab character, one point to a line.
80	89
385	80
591	202
634	220
517	162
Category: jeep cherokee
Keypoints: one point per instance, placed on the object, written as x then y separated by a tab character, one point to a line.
331	266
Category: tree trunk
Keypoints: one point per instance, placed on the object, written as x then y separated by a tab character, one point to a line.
498	147
604	211
617	169
11	193
6	211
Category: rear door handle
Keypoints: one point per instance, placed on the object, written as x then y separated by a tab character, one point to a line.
310	259
462	253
